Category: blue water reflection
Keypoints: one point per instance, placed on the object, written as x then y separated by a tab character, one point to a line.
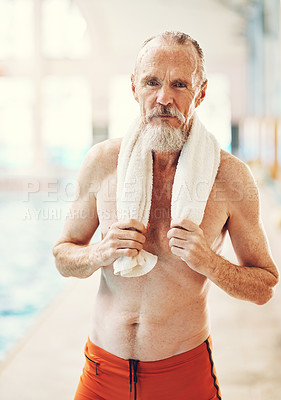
29	280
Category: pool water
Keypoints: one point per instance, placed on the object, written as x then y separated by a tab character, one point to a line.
29	280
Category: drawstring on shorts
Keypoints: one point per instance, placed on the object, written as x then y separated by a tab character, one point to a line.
94	362
133	365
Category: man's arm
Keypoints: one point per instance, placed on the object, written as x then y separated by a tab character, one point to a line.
73	254
256	275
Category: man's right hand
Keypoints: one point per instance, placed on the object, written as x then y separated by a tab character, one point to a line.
124	238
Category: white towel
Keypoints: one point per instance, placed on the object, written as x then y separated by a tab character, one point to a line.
195	175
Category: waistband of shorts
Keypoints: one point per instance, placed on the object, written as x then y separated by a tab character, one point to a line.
99	353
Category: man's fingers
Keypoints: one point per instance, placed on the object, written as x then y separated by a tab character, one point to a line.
130	229
129	244
184	224
174	242
178	251
130	224
127	234
178	233
127	252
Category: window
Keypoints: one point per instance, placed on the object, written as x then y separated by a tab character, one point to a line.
16	124
64	31
66	120
45	101
16	29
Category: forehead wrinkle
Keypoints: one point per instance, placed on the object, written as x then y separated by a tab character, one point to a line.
153	48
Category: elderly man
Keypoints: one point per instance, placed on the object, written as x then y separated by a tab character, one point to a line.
150	335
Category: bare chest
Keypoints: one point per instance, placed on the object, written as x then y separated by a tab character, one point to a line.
171	288
213	223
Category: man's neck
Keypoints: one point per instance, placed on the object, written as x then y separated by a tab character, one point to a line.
165	161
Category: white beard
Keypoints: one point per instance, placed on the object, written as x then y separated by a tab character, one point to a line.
163	138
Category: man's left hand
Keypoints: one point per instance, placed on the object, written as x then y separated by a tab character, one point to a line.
188	242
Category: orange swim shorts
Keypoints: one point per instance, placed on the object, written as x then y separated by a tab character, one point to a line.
186	376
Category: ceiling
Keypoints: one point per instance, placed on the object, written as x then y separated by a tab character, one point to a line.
121	26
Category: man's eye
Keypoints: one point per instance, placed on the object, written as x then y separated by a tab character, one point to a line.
152	83
180	84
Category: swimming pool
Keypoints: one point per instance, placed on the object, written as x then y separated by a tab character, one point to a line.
29	280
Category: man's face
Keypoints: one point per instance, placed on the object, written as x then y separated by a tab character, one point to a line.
167	79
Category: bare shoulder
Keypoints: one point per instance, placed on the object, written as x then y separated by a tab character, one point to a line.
102	158
104	155
233	169
99	162
238	183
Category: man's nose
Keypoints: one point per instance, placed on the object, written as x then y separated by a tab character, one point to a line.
164	95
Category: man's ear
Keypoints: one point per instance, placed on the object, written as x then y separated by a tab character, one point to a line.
134	88
201	95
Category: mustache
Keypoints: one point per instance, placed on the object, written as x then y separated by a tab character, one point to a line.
165	111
